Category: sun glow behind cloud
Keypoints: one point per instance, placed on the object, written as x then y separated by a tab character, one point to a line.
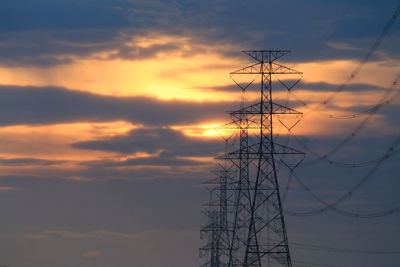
379	73
53	141
167	75
190	73
177	73
107	170
167	78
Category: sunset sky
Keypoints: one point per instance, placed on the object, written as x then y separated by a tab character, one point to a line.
108	126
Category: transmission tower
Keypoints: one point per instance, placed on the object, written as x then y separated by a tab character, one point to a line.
217	210
248	227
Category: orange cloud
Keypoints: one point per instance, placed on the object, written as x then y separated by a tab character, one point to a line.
103	234
91	254
379	73
53	141
8	188
165	76
180	73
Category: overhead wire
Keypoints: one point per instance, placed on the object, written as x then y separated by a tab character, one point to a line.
348	138
363	61
332	205
288	135
290	177
376	162
384	100
338	163
314	264
343	250
287	187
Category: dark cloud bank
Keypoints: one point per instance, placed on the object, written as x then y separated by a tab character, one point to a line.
35	32
47	105
152	140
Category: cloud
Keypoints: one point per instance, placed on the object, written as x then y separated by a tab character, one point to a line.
171	142
48	105
91	254
46	49
22	15
163	146
115	168
162	159
40	32
309	86
103	235
26	161
43	33
8	188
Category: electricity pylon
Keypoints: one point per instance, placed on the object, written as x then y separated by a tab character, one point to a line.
255	226
217	229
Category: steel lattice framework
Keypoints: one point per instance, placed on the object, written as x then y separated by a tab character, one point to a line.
246	223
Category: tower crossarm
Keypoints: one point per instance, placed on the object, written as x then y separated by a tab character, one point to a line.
279	69
281	149
237	123
252	69
254	152
260	68
254	109
280	109
266	55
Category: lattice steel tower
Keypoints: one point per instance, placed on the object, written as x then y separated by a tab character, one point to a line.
248	228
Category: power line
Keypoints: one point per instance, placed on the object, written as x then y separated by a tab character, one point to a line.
314	264
364	60
332	206
382	101
348	138
338	163
343	250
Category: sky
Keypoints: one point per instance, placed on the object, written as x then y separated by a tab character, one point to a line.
109	114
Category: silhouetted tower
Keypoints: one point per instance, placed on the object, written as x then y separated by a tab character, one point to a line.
255	224
216	231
